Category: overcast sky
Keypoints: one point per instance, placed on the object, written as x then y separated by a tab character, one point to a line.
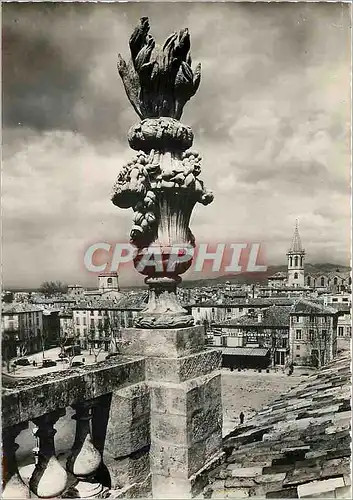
271	120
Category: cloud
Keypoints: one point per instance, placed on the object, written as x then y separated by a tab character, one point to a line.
271	120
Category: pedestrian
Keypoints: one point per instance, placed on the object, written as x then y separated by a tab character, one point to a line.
241	418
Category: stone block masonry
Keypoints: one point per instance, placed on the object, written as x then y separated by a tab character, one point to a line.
186	405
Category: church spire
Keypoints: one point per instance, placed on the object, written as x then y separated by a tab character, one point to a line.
296	245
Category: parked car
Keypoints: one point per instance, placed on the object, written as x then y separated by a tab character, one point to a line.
22	362
77	363
112	355
48	362
72	350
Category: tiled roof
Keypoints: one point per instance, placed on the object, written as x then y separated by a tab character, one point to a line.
52	300
304	306
341	306
17	308
298	446
259	301
272	316
279	274
132	300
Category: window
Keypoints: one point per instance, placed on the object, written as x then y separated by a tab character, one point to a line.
212	309
349	331
240	309
295	276
298	347
296	261
198	309
298	334
92	322
229	310
78	331
335	280
324	334
77	321
340	331
345	299
335	299
308	281
110	281
311	334
297	356
322	281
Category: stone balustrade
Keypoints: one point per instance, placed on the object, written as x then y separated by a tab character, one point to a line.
105	398
146	422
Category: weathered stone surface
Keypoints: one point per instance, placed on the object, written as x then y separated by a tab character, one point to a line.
182	399
128	470
247	472
128	427
39	396
320	487
240	482
168	487
164	343
137	490
183	368
10	408
174	460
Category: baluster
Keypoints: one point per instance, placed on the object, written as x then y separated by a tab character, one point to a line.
85	459
13	486
49	477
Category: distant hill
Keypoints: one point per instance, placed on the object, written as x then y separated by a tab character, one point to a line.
261	278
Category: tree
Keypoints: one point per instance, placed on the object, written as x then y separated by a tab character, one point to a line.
13	348
8	298
50	288
67	334
319	340
108	334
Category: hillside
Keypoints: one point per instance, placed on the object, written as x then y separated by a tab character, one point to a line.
261	278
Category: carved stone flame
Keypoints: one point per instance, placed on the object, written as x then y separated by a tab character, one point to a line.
161	184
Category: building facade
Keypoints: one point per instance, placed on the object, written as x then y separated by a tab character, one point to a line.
22	329
312	334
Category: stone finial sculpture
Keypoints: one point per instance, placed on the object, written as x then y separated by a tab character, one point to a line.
161	184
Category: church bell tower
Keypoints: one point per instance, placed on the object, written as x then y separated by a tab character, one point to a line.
296	257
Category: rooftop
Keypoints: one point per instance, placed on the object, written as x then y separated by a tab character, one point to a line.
304	306
298	446
274	316
18	308
296	246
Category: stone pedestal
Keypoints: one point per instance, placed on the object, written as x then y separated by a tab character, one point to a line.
185	403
